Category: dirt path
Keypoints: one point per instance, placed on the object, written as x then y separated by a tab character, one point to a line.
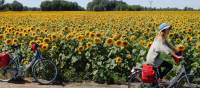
30	84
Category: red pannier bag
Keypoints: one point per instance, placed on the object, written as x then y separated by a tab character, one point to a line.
148	73
4	59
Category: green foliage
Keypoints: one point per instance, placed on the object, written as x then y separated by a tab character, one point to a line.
110	5
59	5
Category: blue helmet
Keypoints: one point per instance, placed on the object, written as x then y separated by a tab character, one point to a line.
164	26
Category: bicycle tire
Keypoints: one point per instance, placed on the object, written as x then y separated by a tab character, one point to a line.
183	82
44	71
135	80
9	72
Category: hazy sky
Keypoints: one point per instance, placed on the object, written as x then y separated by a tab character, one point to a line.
155	3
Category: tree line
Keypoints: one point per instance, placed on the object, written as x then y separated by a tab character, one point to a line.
94	5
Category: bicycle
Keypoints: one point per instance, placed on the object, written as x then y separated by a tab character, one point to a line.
43	70
182	79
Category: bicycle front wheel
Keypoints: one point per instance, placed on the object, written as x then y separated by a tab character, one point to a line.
185	82
44	71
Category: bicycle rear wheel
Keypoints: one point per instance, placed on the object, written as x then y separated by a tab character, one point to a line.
135	80
7	73
44	71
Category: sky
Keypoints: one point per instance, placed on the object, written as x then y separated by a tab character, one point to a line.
155	3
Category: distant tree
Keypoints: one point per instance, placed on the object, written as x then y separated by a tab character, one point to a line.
188	9
45	5
59	5
16	6
1	4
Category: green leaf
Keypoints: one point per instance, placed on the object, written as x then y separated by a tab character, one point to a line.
74	59
95	72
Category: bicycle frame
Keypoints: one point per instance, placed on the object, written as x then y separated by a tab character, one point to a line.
37	57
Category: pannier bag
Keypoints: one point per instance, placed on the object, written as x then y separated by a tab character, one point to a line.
4	59
148	73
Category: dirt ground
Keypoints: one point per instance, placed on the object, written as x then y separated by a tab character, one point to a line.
30	84
27	83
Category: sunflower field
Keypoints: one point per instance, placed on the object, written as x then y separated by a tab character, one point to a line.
99	46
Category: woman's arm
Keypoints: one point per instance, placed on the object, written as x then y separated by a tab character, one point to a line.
170	46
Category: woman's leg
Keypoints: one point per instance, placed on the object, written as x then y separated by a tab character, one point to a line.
167	67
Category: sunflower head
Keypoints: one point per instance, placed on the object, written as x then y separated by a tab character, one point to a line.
118	43
14	41
97	40
53	37
92	34
117	36
128	56
1	36
44	46
89	45
109	41
118	60
180	48
8	42
124	44
80	49
149	44
46	40
198	46
99	35
80	37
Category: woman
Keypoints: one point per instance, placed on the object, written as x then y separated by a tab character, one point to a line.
161	45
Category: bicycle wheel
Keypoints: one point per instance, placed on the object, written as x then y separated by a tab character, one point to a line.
7	73
135	80
44	71
185	82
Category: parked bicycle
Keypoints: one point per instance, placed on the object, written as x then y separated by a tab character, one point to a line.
183	78
44	71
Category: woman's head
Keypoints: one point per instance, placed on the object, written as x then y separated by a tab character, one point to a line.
164	30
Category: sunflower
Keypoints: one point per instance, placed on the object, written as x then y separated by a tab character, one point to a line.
189	38
148	44
25	34
117	36
128	56
198	46
8	42
99	35
180	48
14	41
38	41
118	43
141	42
89	45
46	40
69	36
80	37
97	40
118	60
44	46
20	34
91	34
124	44
80	49
109	41
1	36
53	37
